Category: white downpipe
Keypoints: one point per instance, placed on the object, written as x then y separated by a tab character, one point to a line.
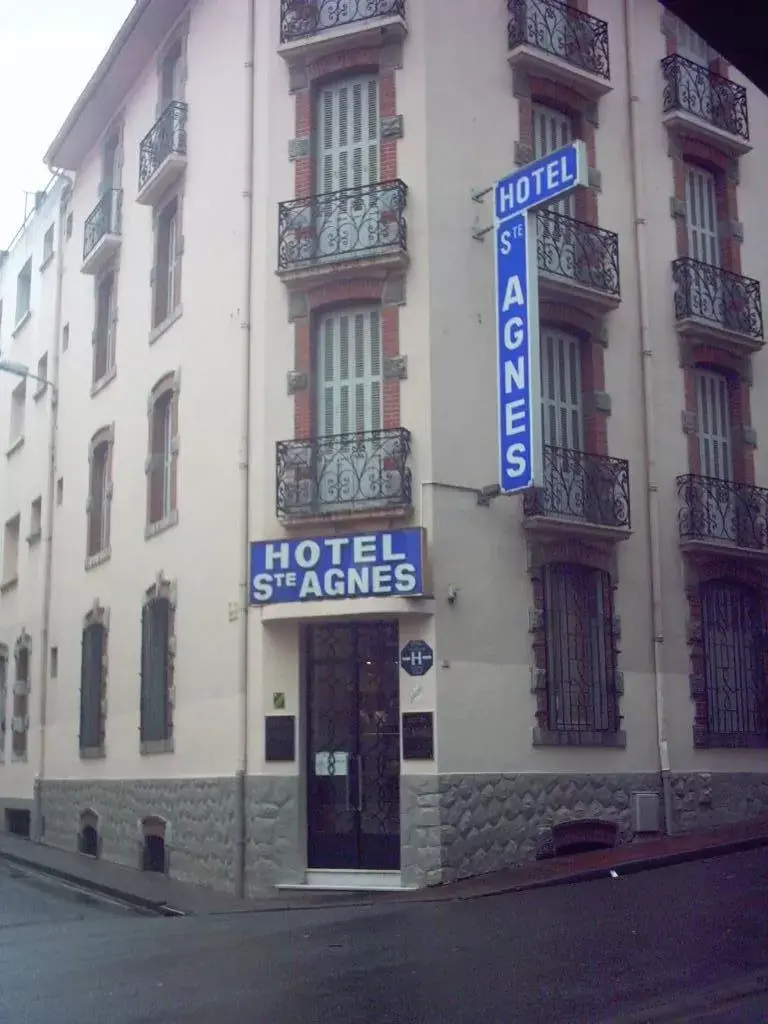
245	456
649	434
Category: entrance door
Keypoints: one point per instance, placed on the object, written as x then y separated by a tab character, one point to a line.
351	217
353	745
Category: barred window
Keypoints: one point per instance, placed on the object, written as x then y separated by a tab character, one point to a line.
580	663
734	668
156	631
94	645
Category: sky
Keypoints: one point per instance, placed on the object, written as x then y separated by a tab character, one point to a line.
48	51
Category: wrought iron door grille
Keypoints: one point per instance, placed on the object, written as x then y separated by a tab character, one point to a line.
734	662
578	251
580	660
695	89
562	31
166	136
353	223
104	219
719	296
300	19
344	472
722	510
581	486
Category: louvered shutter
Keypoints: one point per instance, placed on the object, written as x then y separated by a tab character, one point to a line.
561	400
551	130
701	216
155	629
348	134
349	397
713	425
90	685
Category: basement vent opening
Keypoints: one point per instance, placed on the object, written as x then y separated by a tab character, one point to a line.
571	837
18	823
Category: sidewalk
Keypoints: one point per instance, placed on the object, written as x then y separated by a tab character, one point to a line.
163	895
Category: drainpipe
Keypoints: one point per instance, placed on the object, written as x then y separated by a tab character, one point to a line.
245	458
649	434
48	519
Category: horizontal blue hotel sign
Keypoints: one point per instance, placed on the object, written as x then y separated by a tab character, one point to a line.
540	182
388	564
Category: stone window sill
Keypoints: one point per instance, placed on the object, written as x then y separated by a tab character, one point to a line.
17	445
99	558
92	753
46	262
724	741
156	746
577	738
101	383
8	585
162	327
21	324
153	529
34	538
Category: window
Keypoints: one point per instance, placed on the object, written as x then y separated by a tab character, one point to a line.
92	678
172	75
734	668
48	246
23	292
18	410
701	215
99	494
713	422
166	275
11	550
1	317
111	164
42	373
692	46
20	722
156	669
54	671
561	400
104	332
69	225
60	490
65	337
580	668
3	696
551	130
35	521
161	476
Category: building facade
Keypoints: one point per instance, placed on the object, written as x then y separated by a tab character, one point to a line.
299	636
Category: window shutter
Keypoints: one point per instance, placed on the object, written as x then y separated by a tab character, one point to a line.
713	424
551	130
561	398
155	664
146	674
350	372
348	137
701	216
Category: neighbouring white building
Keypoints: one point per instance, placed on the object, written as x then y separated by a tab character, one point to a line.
293	634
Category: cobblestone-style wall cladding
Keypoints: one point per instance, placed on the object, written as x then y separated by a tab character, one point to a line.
701	800
276	842
200	816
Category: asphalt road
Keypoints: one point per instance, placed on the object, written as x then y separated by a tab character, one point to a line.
594	952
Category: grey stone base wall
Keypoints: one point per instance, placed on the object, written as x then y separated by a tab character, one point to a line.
200	816
276	840
702	800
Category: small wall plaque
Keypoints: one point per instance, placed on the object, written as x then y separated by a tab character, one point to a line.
280	738
418	736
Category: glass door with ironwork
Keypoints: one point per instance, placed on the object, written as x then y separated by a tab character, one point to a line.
353	779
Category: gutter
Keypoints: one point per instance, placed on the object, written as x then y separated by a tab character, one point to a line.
245	459
649	434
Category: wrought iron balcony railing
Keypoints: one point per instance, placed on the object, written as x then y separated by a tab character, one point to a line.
723	511
104	219
589	488
710	293
167	135
343	473
695	89
300	19
580	252
562	31
355	223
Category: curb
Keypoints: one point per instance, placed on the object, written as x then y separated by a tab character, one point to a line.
140	902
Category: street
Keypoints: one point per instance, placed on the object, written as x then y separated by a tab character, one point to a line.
593	952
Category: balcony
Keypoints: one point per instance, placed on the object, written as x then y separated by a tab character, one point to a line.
581	493
717	515
313	28
578	261
703	104
554	40
715	304
360	228
346	474
101	235
162	154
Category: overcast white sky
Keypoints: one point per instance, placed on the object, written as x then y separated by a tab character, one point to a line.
48	51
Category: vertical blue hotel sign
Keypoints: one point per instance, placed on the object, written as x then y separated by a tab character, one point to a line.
515	200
